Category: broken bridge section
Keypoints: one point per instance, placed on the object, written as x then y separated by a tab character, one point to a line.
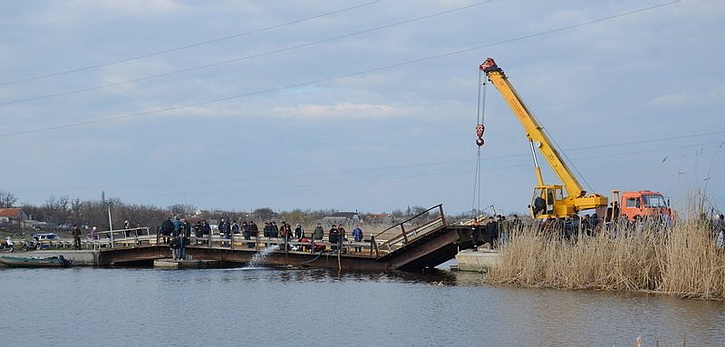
423	241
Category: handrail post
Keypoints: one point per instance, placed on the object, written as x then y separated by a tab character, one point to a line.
440	210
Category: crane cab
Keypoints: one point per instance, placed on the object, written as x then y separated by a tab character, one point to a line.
548	201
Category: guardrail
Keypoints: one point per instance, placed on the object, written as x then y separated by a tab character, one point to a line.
121	238
134	237
426	225
379	244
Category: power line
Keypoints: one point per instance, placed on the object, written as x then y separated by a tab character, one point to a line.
236	60
335	77
180	48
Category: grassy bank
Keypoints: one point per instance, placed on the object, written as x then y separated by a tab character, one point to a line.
681	261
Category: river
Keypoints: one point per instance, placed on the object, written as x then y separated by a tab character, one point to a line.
284	307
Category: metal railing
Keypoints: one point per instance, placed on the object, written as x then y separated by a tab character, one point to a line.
121	238
384	242
425	225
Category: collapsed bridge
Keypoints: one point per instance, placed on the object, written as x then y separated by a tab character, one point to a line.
422	241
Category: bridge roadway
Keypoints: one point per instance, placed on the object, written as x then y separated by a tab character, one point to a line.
434	249
430	243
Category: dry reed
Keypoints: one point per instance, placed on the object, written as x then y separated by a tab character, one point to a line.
681	261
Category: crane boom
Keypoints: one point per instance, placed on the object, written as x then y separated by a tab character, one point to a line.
557	205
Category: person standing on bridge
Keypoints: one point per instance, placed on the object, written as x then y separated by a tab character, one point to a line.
126	227
357	235
252	231
186	228
475	233
205	229
167	227
235	228
342	236
175	245
177	226
299	232
273	229
225	229
333	237
285	232
76	232
490	233
318	233
198	233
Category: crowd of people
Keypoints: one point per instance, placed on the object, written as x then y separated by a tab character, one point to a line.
490	230
177	232
574	225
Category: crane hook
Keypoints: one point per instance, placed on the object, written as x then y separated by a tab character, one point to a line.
479	133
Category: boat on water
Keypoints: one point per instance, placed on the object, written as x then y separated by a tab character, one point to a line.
19	261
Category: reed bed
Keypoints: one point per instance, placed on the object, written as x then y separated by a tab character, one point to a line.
681	261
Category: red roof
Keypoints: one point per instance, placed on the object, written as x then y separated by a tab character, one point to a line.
10	212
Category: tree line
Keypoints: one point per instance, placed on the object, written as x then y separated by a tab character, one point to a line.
63	212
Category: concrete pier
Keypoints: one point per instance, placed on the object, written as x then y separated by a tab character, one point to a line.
481	260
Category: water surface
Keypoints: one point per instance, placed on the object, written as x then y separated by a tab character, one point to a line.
277	307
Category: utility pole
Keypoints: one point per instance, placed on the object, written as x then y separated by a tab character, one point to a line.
110	221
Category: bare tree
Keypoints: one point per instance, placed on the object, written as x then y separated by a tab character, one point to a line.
7	199
297	216
182	209
264	213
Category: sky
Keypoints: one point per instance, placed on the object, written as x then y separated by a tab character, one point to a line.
356	104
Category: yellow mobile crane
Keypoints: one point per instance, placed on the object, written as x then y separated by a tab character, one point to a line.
548	200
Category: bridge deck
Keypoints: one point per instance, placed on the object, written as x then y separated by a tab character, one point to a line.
428	244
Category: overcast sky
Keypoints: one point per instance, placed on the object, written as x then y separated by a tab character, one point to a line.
357	104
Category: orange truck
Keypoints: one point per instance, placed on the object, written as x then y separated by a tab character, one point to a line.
642	203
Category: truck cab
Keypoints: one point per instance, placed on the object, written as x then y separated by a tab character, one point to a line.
643	203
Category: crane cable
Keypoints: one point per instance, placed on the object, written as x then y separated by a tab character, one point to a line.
480	113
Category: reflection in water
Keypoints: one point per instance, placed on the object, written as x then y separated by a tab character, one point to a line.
283	307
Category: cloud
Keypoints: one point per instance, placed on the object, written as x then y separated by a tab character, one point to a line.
341	110
134	7
117	78
671	100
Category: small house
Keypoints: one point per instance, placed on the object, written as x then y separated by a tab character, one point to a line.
12	216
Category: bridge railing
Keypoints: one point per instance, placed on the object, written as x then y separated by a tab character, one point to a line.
239	241
383	242
409	230
121	238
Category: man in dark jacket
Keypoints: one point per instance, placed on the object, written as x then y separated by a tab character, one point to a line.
490	234
167	227
76	237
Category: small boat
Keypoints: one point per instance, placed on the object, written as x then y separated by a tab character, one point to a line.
18	261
